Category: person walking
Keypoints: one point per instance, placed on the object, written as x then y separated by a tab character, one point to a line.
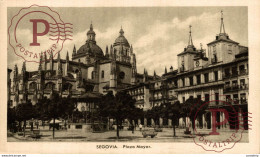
140	127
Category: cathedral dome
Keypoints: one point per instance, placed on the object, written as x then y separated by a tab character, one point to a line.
91	48
121	40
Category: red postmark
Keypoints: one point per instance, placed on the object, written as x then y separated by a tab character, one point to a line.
226	123
38	31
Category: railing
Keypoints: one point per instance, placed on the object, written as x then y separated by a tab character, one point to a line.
226	75
213	60
234	73
181	69
172	86
235	87
243	101
243	72
228	88
244	86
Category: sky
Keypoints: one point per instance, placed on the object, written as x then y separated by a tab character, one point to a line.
157	34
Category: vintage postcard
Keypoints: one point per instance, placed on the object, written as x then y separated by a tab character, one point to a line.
130	77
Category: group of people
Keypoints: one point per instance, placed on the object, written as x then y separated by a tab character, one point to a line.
133	127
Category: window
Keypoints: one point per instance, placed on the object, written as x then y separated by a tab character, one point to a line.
217	98
235	98
216	75
183	82
242	70
234	83
206	77
214	59
234	71
191	81
199	97
243	98
228	98
214	49
92	75
198	79
102	74
227	73
207	97
242	84
175	83
229	48
183	99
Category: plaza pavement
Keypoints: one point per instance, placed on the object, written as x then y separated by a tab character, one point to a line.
110	136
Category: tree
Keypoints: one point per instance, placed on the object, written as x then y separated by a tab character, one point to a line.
136	113
118	107
11	117
57	108
24	111
53	108
193	108
156	113
173	112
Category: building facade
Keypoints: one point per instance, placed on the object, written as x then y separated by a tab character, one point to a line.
218	75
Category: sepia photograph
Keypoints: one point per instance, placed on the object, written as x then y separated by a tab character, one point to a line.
126	78
121	78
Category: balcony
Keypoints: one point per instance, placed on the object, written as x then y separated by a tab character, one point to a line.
228	88
213	60
234	74
243	101
172	86
181	69
243	72
235	87
244	86
226	75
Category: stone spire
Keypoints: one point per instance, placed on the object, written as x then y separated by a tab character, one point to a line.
67	56
58	56
74	51
111	56
171	69
91	26
121	31
131	50
190	37
59	65
91	34
145	75
222	27
154	75
51	61
45	61
15	71
40	63
24	68
107	54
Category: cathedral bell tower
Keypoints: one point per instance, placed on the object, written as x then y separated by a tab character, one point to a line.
223	49
185	58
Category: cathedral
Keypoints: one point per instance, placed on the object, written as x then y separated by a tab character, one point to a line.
90	72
